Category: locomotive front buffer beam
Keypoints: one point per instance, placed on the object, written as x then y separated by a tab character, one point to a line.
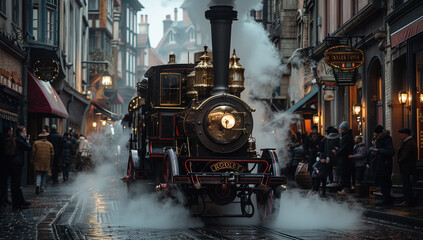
231	178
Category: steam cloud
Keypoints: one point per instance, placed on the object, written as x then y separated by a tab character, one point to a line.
300	211
147	210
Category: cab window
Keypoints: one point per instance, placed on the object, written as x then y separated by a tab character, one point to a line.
170	85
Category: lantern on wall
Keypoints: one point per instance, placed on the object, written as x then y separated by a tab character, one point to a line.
402	97
316	118
357	109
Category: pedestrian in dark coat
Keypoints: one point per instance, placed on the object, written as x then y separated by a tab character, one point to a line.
67	157
358	157
7	150
331	141
384	151
18	160
407	157
57	142
312	147
344	165
320	173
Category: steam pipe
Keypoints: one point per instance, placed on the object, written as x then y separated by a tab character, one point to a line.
221	18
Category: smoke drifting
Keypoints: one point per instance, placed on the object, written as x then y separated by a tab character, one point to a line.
301	211
147	210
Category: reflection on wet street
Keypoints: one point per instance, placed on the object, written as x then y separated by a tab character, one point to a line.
103	214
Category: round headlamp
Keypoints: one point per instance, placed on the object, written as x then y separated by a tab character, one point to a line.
228	121
223	124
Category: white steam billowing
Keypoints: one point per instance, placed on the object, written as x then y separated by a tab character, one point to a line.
300	211
263	71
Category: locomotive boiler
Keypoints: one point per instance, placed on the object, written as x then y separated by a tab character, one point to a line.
192	133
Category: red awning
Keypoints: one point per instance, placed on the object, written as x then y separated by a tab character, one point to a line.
42	98
407	32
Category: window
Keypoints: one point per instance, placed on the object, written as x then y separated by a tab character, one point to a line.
3	6
15	12
170	85
171	37
35	23
109	8
191	35
93	5
50	25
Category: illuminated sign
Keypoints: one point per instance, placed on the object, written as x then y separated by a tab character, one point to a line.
344	57
46	70
227	165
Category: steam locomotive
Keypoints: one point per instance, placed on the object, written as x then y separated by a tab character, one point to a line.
192	133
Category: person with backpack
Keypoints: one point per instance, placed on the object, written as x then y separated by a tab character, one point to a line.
7	150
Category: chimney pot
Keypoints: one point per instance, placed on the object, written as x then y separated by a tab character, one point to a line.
176	14
167	17
146	19
142	19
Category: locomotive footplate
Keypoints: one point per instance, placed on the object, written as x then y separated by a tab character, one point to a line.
229	178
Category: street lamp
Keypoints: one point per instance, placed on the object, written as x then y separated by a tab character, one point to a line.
402	97
106	80
94	124
357	109
316	118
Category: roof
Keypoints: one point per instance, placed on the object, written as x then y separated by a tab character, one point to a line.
303	101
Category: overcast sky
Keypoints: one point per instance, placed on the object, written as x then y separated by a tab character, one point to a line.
157	11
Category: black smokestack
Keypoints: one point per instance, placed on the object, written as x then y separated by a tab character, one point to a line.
221	18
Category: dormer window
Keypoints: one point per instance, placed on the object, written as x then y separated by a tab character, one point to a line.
191	35
171	37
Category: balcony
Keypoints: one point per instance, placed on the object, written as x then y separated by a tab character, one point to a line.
275	29
101	55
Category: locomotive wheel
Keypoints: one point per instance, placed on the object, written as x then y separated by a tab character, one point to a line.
268	202
130	181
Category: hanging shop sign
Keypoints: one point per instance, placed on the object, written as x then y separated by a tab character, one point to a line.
46	70
344	57
324	74
344	61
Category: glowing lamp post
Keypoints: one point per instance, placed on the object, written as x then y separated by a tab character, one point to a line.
106	80
402	98
316	118
94	124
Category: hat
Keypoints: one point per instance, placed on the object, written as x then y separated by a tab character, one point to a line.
329	129
405	130
43	134
343	125
54	127
314	127
322	156
378	129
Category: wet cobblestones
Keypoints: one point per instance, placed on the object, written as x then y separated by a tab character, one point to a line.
26	223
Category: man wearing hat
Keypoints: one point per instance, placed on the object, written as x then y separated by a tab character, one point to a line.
407	157
42	157
329	143
344	163
314	140
383	152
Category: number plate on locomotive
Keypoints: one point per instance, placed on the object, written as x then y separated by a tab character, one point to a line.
227	165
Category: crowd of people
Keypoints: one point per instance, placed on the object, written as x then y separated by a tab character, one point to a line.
340	160
49	155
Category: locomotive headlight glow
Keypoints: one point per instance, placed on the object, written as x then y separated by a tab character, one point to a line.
224	124
228	121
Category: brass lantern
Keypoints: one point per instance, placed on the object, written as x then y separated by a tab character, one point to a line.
316	118
402	97
236	75
203	75
356	109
